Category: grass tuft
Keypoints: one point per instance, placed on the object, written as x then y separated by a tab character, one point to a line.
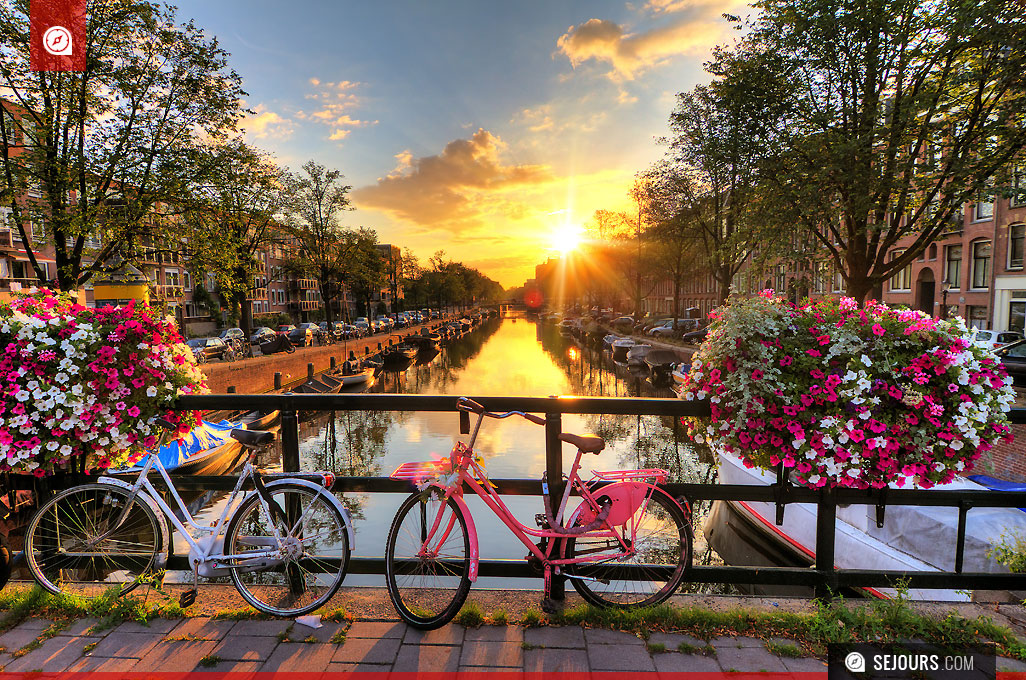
532	618
656	647
499	618
470	616
210	660
784	649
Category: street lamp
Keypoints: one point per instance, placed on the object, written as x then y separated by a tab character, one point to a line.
945	285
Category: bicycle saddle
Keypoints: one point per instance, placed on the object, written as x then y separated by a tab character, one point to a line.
252	437
586	443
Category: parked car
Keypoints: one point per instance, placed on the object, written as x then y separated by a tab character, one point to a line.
205	349
669	330
1013	358
262	334
696	337
623	322
285	329
363	327
233	333
304	334
994	339
386	323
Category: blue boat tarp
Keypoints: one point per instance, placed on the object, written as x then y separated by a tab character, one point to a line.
200	439
997	484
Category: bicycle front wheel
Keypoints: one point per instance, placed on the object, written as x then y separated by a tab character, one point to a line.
428	572
661	555
75	546
307	569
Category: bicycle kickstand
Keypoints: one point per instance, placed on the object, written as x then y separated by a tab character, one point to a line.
189	596
548	605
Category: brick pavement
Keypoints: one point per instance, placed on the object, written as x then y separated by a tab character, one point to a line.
204	644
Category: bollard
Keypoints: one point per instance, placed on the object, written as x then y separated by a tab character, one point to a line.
333	363
277	381
231	389
366	349
309	371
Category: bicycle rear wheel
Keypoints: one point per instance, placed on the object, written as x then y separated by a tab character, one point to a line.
310	566
662	555
428	577
74	545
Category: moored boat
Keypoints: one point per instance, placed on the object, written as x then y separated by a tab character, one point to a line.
660	362
636	354
620	349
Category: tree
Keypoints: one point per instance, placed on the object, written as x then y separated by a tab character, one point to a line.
103	154
624	250
897	113
231	217
328	251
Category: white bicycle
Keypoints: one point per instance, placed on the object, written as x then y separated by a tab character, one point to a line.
285	545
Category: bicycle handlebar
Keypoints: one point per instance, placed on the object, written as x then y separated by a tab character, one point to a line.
470	406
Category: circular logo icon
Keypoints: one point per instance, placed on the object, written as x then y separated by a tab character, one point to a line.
57	41
855	662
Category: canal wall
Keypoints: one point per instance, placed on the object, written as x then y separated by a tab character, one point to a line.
256	374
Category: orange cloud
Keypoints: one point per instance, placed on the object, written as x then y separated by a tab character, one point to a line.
697	26
264	124
457	187
332	102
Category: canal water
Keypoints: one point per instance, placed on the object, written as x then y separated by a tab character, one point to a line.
511	356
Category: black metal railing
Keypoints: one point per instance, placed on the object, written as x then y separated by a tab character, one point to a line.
824	576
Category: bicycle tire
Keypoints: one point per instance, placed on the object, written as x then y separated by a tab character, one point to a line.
667	537
5	561
70	520
422	596
275	591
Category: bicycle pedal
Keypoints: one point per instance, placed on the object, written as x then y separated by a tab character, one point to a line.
187	598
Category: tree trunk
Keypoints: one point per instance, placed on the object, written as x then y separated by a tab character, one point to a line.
245	312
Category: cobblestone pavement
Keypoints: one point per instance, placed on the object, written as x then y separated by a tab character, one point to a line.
205	644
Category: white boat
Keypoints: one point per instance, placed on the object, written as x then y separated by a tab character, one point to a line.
636	354
620	349
913	538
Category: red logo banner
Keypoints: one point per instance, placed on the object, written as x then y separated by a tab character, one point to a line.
58	35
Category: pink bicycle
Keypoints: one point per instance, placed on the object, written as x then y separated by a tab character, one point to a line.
627	544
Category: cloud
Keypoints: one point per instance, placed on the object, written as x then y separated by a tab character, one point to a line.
264	124
667	6
696	27
457	188
332	102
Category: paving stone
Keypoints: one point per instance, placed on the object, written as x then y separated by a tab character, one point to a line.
601	636
685	663
81	627
242	648
749	659
151	626
127	645
486	669
673	640
619	658
805	664
177	656
35	624
359	667
230	667
201	628
312	658
299	632
4	659
367	651
451	634
18	637
555	636
54	655
555	661
492	653
1010	665
494	634
261	628
376	630
92	664
736	642
427	658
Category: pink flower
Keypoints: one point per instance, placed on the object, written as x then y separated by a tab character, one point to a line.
757	374
878	329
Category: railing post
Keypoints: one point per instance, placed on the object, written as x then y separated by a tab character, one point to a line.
289	435
554	476
826	526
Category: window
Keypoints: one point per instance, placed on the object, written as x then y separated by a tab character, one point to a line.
976	316
838	282
933	251
953	266
187	280
980	274
12	133
1018	186
984	205
902	279
171	277
1016	238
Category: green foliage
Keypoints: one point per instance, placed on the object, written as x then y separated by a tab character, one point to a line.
210	660
532	618
1011	552
470	616
784	649
499	618
656	647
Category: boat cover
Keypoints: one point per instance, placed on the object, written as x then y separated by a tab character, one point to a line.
201	438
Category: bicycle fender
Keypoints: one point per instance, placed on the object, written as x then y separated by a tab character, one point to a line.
162	521
313	486
475	556
627	498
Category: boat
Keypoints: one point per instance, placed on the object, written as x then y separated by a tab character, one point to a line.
660	362
913	538
318	386
608	340
680	372
208	449
620	348
361	377
636	354
260	420
398	354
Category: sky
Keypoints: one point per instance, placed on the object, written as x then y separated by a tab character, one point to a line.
490	130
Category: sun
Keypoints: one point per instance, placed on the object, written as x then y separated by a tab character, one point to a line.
566	238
